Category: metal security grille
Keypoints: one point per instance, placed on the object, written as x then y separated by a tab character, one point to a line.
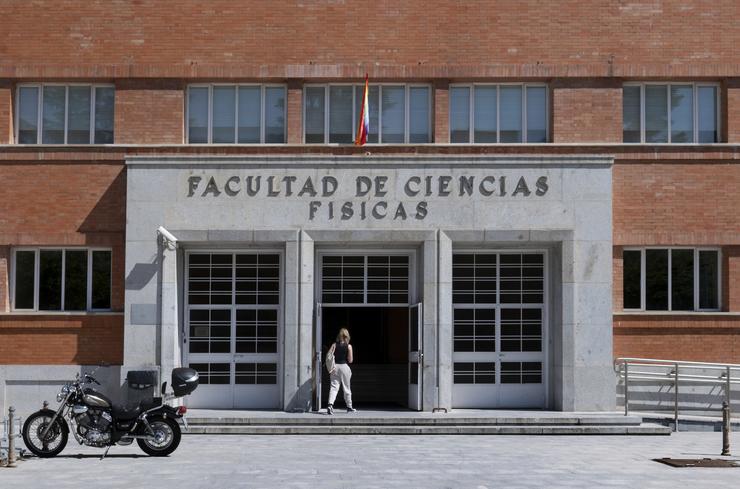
233	325
365	279
498	325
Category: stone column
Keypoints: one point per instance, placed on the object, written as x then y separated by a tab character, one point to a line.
429	315
444	322
169	328
298	323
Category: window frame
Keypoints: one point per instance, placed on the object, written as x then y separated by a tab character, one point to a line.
471	111
40	110
356	113
695	109
643	279
36	275
237	86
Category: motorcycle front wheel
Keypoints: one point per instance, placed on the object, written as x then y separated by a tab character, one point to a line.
165	440
54	441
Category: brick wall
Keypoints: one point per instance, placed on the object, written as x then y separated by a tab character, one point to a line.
149	112
294	124
4	278
586	111
6	112
62	204
701	338
447	39
676	203
731	111
441	112
731	278
61	340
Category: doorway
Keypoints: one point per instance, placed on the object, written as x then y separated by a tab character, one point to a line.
380	344
370	294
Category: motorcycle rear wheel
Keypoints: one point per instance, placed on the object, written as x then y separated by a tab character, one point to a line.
54	441
167	438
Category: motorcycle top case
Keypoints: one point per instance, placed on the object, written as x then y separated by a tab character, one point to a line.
184	381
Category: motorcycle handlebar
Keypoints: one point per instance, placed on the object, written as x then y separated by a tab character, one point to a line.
91	379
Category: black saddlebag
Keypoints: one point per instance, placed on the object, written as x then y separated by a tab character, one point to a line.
184	381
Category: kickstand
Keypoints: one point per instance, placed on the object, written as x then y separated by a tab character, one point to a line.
105	453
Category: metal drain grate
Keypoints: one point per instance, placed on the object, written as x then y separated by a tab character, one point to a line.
698	462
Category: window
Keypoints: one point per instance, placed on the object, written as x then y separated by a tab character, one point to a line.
671	279
365	279
670	113
498	114
65	114
230	114
398	113
73	279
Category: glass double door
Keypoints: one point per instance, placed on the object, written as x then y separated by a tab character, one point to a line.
232	322
499	330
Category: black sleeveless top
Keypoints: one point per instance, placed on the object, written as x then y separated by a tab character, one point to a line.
340	352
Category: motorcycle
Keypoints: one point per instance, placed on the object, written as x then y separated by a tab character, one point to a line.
95	421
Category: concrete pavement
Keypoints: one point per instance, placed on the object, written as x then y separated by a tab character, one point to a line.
387	462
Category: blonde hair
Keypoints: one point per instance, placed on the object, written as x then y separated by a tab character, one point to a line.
343	334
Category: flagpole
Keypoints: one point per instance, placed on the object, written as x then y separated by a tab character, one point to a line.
361	122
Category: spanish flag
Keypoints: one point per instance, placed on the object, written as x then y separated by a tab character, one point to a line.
364	126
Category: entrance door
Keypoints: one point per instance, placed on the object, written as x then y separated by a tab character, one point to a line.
416	356
232	317
500	328
318	363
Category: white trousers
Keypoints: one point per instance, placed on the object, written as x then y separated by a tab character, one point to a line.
341	375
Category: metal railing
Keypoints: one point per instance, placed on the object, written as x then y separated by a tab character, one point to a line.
676	372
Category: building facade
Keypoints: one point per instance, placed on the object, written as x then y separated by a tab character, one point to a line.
539	194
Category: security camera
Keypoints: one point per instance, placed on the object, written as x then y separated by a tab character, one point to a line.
168	239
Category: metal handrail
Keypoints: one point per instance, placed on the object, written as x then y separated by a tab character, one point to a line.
622	367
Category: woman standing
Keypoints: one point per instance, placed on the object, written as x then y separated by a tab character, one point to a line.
341	374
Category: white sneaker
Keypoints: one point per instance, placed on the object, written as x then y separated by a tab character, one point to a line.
329	409
351	410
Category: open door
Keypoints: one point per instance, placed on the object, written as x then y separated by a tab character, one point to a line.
416	356
318	361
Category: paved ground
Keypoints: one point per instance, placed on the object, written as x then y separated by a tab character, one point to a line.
388	461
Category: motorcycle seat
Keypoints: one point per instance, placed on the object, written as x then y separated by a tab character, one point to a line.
127	411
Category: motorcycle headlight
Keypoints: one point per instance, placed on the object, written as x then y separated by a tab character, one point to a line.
63	393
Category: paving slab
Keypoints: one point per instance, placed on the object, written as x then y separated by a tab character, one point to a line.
356	461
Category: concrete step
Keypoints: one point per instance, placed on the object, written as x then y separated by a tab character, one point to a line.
416	420
472	429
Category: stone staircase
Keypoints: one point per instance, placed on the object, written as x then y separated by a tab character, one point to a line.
458	422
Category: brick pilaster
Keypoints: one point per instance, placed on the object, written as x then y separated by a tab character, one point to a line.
294	124
441	112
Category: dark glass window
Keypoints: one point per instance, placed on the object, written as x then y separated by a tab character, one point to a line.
50	280
101	279
682	280
632	279
64	279
673	289
679	113
25	279
104	103
28	115
708	279
656	280
65	114
75	280
397	113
